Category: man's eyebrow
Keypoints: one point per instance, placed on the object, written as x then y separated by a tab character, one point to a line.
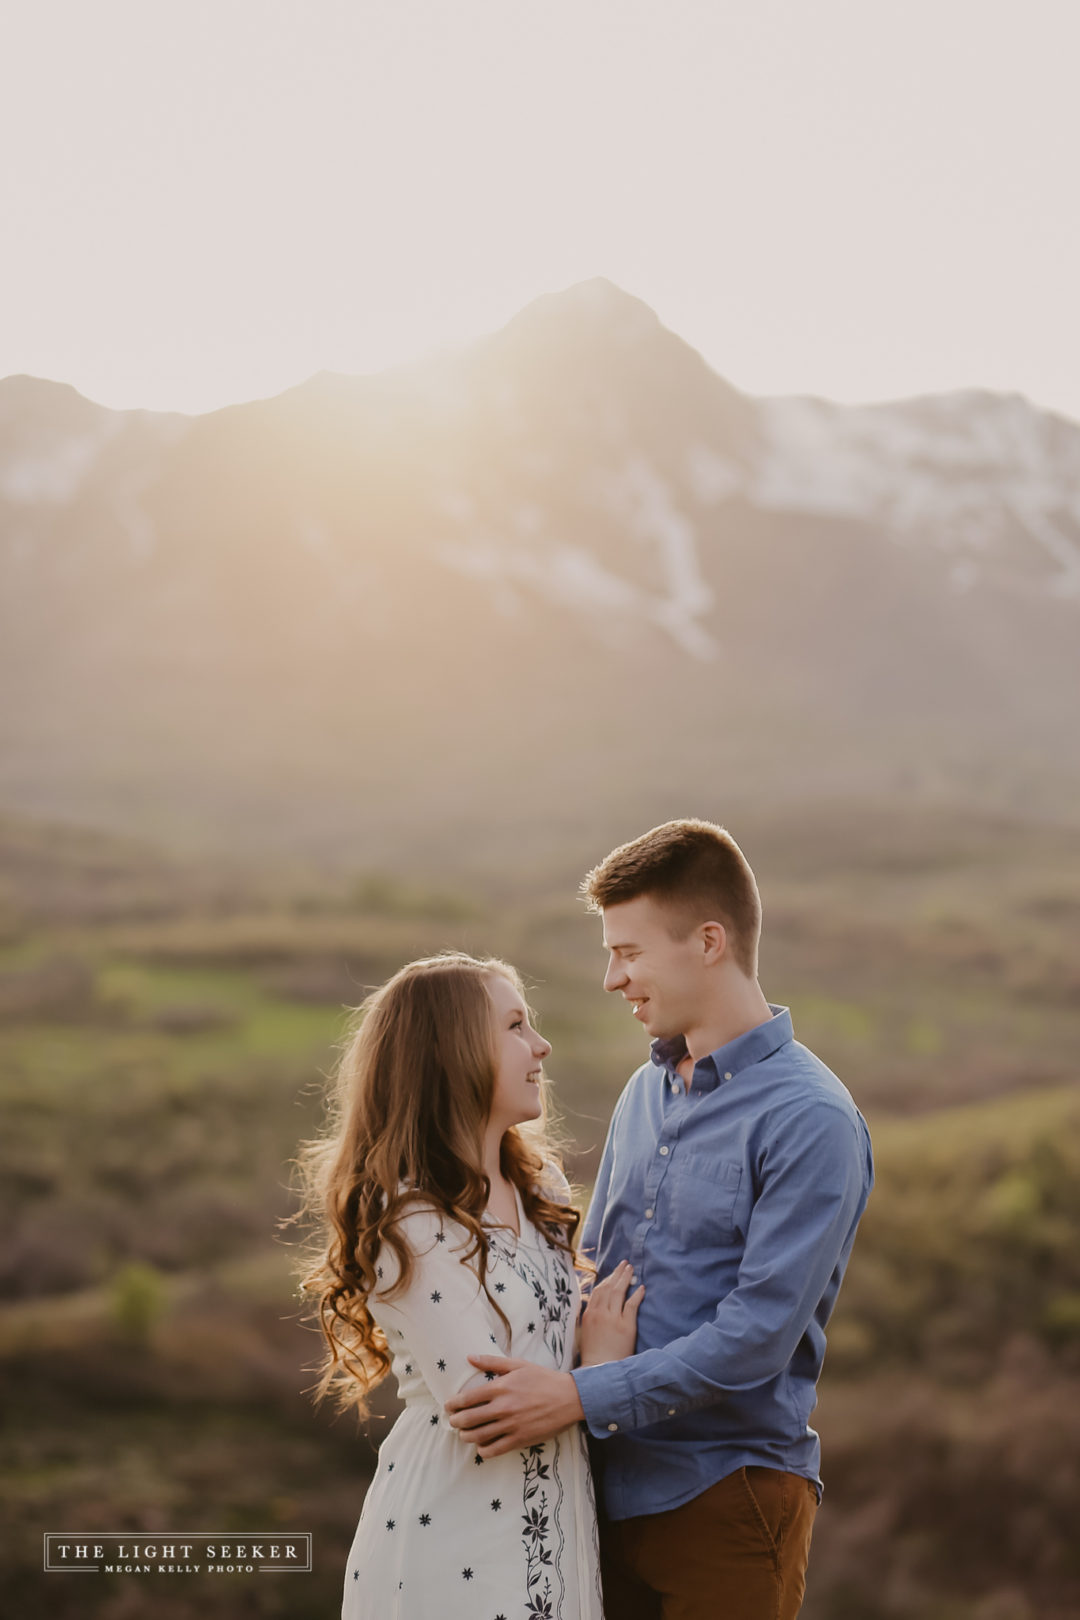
629	945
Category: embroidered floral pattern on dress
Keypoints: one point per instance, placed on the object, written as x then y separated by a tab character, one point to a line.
469	1553
555	1303
536	1534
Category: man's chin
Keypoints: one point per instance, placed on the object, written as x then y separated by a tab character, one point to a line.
649	1018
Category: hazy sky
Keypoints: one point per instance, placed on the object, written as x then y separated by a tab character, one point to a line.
207	200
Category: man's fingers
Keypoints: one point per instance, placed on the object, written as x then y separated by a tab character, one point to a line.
466	1422
486	1434
475	1417
498	1448
479	1395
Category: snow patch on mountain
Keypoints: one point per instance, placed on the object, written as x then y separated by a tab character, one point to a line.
812	462
53	473
713	478
962	471
567	574
1062	549
645	503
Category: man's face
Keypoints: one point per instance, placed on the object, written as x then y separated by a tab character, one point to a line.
662	977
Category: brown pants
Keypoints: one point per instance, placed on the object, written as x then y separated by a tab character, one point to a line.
736	1552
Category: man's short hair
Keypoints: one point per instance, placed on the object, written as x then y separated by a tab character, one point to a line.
697	870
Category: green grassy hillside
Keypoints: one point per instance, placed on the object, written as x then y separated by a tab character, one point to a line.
164	1032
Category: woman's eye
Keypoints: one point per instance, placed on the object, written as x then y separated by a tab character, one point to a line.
517	1024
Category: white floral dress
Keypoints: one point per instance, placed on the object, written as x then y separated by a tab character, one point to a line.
446	1534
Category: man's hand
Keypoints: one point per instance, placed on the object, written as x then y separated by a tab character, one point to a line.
518	1407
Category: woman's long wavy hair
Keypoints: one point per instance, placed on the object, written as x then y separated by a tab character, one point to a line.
409	1103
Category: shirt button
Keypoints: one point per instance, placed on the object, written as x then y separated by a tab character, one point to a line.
649	1213
664	1152
612	1427
727	1074
634	1278
671	1411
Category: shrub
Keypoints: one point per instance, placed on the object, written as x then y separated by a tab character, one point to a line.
136	1301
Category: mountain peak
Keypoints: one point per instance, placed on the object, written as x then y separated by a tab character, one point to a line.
21	392
596	305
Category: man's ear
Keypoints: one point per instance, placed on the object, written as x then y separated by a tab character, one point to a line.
713	937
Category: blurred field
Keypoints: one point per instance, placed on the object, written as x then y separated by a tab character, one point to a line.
164	1027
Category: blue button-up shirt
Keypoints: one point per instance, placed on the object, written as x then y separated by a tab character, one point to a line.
736	1202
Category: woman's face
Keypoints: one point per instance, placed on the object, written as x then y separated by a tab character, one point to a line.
519	1057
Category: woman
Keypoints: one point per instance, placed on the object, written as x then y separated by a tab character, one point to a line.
450	1232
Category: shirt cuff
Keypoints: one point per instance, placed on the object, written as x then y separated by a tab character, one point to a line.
606	1398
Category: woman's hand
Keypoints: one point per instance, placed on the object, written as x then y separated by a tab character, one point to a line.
609	1321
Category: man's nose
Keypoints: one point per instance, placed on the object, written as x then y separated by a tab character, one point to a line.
616	974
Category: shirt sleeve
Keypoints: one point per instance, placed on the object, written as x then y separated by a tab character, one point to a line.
443	1315
815	1181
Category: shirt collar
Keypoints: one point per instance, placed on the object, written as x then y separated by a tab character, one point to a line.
726	1062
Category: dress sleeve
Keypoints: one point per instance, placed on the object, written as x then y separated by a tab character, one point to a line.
443	1315
553	1184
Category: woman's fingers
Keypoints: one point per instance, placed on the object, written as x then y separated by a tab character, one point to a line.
611	1286
607	1281
609	1296
603	1298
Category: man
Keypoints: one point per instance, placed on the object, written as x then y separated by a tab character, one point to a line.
733	1177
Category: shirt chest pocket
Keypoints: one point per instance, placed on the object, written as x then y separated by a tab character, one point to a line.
703	1196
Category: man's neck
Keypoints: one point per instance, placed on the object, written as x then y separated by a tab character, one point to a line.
740	1012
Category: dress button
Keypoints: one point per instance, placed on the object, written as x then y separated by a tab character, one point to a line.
612	1428
649	1213
664	1152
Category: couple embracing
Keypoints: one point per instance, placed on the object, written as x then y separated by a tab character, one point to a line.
650	1456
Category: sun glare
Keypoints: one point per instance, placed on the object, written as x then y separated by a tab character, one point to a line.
211	202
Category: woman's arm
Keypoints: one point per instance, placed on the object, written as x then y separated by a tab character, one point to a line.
443	1315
